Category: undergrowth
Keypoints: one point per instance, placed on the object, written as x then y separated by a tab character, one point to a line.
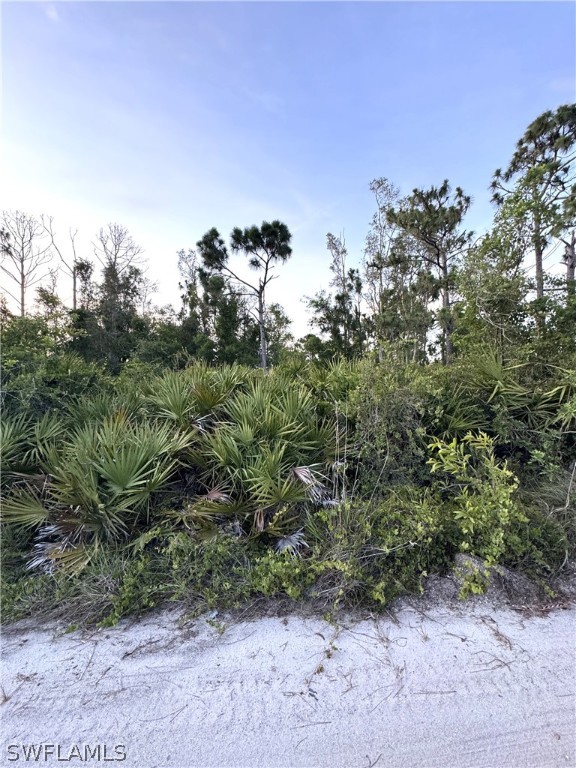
340	487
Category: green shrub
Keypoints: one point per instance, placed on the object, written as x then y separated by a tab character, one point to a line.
215	486
389	439
280	573
50	384
140	587
481	494
207	573
370	553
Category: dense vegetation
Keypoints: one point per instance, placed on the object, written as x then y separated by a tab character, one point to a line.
205	456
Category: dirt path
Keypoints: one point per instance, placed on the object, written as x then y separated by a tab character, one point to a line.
449	688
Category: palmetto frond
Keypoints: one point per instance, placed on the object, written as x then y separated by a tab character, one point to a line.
305	475
96	409
222	448
217	494
296	404
15	436
244	434
171	395
132	474
25	509
211	389
208	399
203	513
460	414
292	543
229	378
65	555
321	442
270	492
47	432
99	482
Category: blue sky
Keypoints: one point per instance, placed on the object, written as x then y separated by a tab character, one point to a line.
174	117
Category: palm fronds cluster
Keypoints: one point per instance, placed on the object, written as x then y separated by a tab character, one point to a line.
197	449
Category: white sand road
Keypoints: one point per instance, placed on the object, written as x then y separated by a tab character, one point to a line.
479	685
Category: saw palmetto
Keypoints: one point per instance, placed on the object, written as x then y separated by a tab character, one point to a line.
99	486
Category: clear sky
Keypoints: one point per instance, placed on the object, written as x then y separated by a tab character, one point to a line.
174	117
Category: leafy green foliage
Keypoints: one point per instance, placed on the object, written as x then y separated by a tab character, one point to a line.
38	373
434	219
371	552
340	317
480	493
539	185
389	436
24	443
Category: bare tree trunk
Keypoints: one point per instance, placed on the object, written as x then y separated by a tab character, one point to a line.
263	344
69	265
74	279
570	258
448	349
538	262
74	271
22	289
24	253
538	257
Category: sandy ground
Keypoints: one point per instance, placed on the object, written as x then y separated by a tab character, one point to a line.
446	687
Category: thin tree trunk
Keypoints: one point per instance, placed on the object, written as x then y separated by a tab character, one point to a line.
570	257
539	258
448	350
22	290
263	345
538	262
74	280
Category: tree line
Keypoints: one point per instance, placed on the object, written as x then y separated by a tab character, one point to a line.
426	289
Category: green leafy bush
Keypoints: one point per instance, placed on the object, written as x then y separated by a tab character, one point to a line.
42	382
389	439
370	553
480	492
280	573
